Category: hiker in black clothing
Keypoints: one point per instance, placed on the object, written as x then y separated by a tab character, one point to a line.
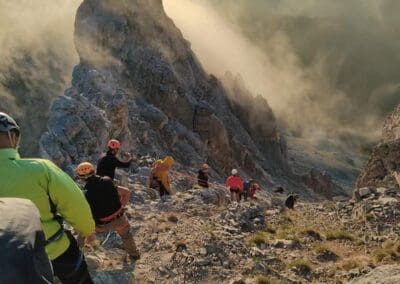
202	177
246	187
107	164
104	199
291	200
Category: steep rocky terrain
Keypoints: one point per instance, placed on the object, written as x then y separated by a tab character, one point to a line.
384	160
198	236
139	81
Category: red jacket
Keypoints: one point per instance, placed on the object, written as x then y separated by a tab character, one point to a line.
234	182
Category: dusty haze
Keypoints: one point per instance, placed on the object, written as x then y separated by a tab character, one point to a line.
328	69
37	55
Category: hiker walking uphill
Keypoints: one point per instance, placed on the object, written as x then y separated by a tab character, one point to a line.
56	196
202	177
252	190
235	185
246	188
158	178
107	208
23	258
107	164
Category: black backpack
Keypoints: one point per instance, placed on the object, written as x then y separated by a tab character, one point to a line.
23	258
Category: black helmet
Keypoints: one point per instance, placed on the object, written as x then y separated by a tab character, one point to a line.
7	123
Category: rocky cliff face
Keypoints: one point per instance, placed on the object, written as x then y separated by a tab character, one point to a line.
28	82
385	158
139	81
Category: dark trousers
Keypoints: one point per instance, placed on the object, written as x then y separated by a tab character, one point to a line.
70	267
163	190
156	184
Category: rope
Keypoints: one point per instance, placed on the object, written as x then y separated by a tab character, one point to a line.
194	179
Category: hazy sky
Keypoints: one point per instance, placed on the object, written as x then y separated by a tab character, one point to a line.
324	66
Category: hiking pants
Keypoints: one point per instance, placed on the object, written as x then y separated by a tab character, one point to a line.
156	184
122	227
70	267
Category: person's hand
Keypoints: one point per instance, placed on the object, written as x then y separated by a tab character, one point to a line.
127	155
124	195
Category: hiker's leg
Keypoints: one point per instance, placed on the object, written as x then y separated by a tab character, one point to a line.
162	189
70	267
123	227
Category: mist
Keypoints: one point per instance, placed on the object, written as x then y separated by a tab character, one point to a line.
329	69
37	56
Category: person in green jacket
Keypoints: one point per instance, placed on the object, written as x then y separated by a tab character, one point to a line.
56	196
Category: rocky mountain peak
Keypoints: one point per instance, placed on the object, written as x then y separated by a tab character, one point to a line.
385	157
391	128
139	81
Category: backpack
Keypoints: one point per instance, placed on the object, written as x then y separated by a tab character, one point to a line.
23	258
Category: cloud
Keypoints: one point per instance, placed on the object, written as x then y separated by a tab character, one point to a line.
325	67
37	55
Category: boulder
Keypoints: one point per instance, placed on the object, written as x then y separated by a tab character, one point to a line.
383	164
320	182
385	274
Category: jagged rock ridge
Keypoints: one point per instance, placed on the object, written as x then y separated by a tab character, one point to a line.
385	157
139	81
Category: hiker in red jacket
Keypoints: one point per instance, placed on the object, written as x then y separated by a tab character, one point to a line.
235	185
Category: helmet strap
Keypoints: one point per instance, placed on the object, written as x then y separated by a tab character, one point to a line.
13	143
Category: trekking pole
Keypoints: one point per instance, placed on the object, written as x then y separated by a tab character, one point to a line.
106	239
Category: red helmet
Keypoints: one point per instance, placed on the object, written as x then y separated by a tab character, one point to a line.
114	144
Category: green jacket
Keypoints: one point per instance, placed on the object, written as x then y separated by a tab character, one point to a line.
37	180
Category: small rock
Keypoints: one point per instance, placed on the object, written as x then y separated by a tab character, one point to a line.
364	191
287	244
203	251
387	201
93	262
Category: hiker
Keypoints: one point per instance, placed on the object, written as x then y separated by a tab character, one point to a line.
56	196
202	177
235	185
291	201
252	190
246	187
159	176
108	163
107	209
23	258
